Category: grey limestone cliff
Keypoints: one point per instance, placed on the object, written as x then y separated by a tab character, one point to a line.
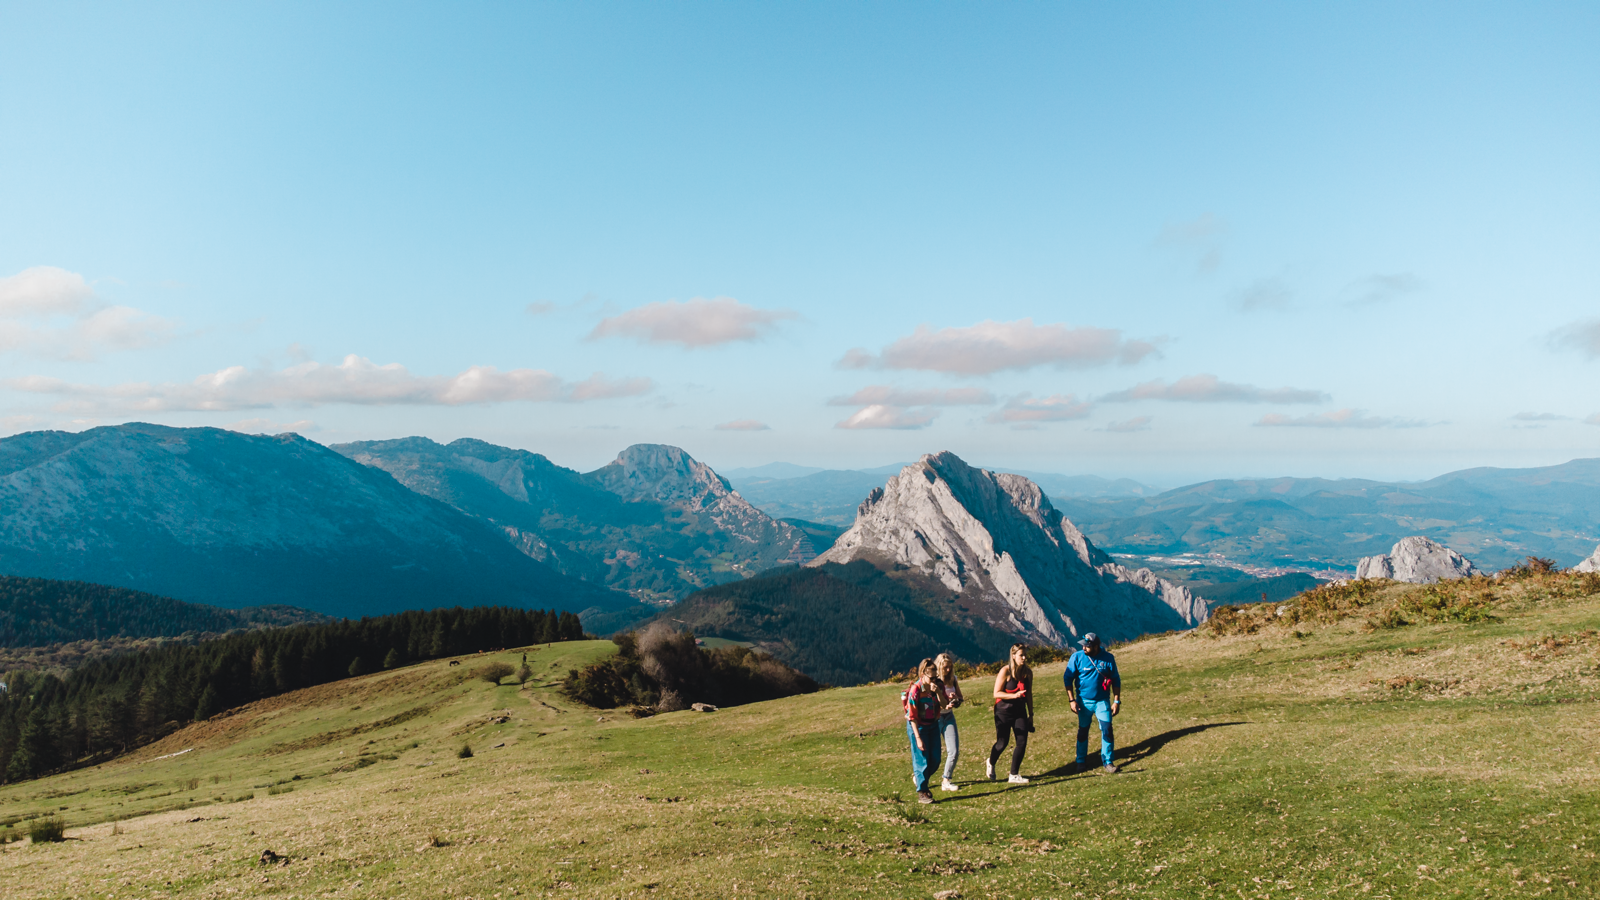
1416	560
1592	564
1014	560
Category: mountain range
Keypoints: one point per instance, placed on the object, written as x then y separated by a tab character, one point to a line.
232	520
1495	516
654	522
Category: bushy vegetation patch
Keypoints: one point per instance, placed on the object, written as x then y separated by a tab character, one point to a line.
1384	604
661	668
112	705
47	831
494	672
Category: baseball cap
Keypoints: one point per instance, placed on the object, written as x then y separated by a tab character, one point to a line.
1091	638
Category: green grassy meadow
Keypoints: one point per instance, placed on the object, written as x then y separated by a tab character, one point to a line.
1297	757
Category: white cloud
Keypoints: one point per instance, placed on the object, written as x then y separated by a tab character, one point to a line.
1268	293
743	425
46	292
1582	336
267	426
880	416
693	323
18	424
1137	423
1339	418
989	347
1206	388
43	290
356	380
884	395
1539	417
1054	408
1381	288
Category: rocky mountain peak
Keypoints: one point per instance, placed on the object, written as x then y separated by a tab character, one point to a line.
1416	560
662	473
994	539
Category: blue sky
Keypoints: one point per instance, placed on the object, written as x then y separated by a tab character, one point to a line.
1173	242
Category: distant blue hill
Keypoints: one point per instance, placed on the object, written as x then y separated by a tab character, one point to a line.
232	520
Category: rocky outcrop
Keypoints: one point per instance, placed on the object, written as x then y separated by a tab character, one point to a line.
1012	558
1416	560
655	522
1592	564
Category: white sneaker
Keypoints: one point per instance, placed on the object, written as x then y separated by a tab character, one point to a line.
1017	779
988	769
949	786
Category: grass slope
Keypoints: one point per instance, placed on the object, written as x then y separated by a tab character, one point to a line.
1330	751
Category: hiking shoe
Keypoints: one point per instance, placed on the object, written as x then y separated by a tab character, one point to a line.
924	796
1016	779
949	785
988	769
1109	769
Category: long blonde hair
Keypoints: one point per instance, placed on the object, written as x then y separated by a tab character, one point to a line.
928	668
944	659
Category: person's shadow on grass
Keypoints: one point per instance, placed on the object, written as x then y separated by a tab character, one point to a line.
1126	755
1143	750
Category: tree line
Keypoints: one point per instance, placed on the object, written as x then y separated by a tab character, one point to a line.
110	706
35	612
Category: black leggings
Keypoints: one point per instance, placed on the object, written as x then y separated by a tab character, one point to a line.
1003	730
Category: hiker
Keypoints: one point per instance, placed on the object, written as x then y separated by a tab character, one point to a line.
1094	690
944	668
924	703
1013	712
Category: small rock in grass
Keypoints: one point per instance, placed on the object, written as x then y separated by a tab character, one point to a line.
704	707
947	895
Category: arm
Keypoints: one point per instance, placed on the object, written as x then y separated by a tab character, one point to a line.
1070	679
957	685
999	681
1116	688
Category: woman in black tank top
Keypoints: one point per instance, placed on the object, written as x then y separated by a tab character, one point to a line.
1013	712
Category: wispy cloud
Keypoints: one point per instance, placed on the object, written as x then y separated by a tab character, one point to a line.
1054	408
356	380
693	323
1202	236
1206	388
1137	423
884	395
1582	336
1267	293
743	425
1339	418
1381	288
989	347
1592	420
1539	417
34	302
267	426
881	416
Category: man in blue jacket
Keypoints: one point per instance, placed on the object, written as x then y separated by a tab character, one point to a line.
1095	691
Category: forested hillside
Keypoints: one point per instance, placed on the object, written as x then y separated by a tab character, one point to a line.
841	624
39	611
112	705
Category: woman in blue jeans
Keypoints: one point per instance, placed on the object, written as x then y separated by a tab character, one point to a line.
944	668
924	704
